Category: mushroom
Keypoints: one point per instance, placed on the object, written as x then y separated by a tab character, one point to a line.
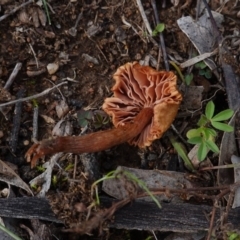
144	105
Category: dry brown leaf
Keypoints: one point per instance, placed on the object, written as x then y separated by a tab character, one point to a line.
9	176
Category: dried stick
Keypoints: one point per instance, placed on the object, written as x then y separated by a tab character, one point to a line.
34	55
32	97
218	197
144	17
16	122
13	75
35	123
15	10
162	43
73	30
99	218
10	80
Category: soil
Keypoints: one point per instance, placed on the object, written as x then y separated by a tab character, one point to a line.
108	34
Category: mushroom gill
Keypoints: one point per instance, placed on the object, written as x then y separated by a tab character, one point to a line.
139	87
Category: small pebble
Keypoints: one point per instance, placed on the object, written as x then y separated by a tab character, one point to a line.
138	56
54	78
52	68
111	28
26	143
5	192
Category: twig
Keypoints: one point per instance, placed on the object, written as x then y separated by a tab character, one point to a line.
206	100
13	75
162	43
98	48
73	30
75	167
16	122
15	10
178	133
131	26
212	219
63	98
197	59
9	82
32	97
35	124
218	197
50	7
34	55
144	17
99	218
214	24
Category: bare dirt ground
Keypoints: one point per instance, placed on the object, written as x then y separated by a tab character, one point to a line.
82	43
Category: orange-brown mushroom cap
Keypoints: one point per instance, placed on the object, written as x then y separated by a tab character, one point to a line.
138	87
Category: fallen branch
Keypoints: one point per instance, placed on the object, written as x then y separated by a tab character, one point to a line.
32	97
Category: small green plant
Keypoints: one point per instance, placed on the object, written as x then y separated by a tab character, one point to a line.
84	117
205	135
58	180
69	167
119	174
158	29
35	103
54	181
10	233
40	169
203	70
149	238
188	78
182	152
233	236
34	187
47	12
100	119
96	118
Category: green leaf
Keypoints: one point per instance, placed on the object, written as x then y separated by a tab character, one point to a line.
222	126
205	133
202	151
200	65
212	146
158	29
195	140
84	117
208	73
188	78
222	116
209	111
194	133
210	132
202	121
201	72
181	150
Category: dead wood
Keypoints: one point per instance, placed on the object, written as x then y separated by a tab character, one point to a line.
176	217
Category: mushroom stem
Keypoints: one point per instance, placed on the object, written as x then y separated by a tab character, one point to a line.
92	142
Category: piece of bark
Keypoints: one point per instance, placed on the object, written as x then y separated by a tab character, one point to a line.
27	208
175	217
